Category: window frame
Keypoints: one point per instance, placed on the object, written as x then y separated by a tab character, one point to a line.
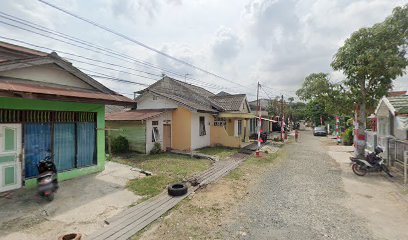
201	126
239	132
155	134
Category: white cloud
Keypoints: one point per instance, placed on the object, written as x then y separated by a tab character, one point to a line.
226	45
301	36
276	42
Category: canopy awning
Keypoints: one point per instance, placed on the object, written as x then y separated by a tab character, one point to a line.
236	115
266	119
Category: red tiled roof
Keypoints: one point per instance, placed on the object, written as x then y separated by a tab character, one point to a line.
396	93
22	49
135	115
91	96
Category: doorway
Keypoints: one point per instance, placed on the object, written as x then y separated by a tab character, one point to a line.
167	136
10	157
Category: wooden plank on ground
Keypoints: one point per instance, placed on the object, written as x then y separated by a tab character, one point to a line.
129	222
137	207
142	222
122	222
216	170
212	171
219	174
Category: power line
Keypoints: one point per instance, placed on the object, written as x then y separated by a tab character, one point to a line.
106	51
274	90
93	46
198	81
77	40
88	44
135	41
112	69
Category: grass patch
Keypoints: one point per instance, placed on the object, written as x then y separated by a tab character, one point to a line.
265	159
220	152
166	168
235	174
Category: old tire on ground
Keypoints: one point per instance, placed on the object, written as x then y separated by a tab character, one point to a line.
177	189
71	236
359	170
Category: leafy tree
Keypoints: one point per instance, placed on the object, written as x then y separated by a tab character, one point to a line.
314	110
274	107
371	59
316	86
297	111
335	98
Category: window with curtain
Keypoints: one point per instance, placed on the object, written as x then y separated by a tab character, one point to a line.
37	142
86	144
202	126
64	146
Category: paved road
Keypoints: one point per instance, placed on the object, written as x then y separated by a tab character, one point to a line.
300	198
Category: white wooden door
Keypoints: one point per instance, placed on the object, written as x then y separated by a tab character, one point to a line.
10	152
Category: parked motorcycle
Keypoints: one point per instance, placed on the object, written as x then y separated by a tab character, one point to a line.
372	163
47	179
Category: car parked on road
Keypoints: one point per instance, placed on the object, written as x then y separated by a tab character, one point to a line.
320	131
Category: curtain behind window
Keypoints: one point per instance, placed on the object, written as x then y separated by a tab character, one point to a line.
64	146
37	141
86	136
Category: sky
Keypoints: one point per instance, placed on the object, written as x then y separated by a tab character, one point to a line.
274	42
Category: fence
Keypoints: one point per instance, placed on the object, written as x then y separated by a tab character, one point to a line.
371	140
396	150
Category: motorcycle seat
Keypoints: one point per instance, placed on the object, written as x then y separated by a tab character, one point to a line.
45	174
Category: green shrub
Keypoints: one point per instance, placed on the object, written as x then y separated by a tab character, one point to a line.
120	145
347	137
156	148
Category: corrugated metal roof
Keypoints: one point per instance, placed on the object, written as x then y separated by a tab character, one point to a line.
10	86
400	104
134	115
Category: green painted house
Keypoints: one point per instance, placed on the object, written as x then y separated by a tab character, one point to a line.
47	106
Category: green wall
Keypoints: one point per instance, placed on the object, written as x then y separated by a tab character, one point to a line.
33	104
133	131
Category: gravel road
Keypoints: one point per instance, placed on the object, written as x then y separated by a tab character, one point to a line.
300	198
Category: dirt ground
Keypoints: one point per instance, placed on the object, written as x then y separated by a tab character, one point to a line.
203	214
80	205
381	200
380	203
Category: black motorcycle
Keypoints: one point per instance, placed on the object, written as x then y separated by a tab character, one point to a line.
372	163
47	179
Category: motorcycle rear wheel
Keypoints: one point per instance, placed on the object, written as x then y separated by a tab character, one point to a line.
50	197
358	170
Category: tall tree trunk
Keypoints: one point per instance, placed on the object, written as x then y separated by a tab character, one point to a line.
361	139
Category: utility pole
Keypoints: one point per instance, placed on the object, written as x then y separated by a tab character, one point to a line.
282	129
258	113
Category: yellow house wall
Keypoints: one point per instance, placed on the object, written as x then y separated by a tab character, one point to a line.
229	126
219	136
181	129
